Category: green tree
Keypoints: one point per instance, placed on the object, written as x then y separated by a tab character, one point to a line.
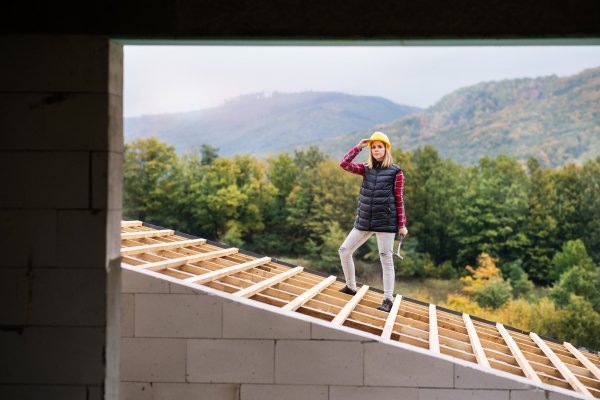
578	323
495	294
149	181
209	154
590	205
573	253
579	282
519	280
541	225
491	212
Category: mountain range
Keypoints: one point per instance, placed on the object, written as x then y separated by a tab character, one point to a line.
557	120
260	123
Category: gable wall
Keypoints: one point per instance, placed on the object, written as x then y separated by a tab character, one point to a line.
181	343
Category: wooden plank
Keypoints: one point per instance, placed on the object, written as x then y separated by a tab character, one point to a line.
562	368
147	234
516	352
583	359
434	340
349	307
391	319
176	262
254	289
220	273
127	224
153	248
309	294
475	343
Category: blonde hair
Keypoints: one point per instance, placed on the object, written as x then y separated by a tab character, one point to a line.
387	158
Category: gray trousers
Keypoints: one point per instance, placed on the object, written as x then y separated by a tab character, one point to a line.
385	243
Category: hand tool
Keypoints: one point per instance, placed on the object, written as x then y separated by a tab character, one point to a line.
397	254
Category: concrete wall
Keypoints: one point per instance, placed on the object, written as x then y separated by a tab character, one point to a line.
60	209
310	19
182	343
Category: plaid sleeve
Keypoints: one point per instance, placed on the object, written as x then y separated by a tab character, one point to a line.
399	192
348	165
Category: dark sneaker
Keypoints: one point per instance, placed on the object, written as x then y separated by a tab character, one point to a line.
386	305
347	290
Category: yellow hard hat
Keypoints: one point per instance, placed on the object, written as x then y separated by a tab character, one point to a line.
381	137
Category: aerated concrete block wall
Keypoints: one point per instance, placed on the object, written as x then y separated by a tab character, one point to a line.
181	343
60	210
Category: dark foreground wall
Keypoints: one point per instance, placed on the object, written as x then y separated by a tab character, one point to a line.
316	19
61	148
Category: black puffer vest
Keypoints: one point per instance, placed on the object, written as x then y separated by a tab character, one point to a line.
376	201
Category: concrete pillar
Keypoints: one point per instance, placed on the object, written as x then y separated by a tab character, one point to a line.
61	153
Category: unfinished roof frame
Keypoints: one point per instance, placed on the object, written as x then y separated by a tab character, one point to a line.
240	273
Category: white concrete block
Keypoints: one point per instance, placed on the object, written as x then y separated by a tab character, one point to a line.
14	296
287	392
529	395
32	239
57	121
230	361
135	282
554	395
318	362
107	180
59	63
178	315
115	68
136	390
48	355
127	314
178	288
320	332
115	124
195	391
241	321
471	378
388	365
45	179
82	239
68	296
153	360
463	394
379	393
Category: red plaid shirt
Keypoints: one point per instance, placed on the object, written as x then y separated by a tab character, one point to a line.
359	169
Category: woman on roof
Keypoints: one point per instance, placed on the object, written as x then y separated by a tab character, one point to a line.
380	211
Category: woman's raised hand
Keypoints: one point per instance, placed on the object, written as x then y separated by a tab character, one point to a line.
363	143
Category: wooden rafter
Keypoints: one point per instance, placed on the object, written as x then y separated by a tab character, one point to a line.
560	366
434	341
309	294
293	289
516	352
221	273
391	319
127	224
477	348
349	307
153	248
146	234
259	287
183	260
583	359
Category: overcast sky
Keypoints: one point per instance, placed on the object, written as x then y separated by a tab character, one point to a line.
166	79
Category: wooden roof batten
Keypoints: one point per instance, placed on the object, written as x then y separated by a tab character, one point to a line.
202	262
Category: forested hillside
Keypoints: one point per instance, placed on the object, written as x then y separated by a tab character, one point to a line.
259	123
556	120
